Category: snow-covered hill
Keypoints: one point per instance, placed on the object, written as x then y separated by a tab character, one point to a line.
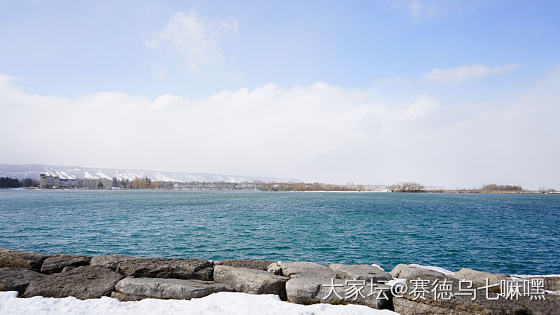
34	170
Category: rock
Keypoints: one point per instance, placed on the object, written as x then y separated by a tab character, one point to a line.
178	268
123	297
160	288
306	269
405	306
110	261
360	272
55	263
17	279
478	277
303	290
551	283
68	268
246	263
16	258
274	268
464	304
251	280
403	271
83	282
307	291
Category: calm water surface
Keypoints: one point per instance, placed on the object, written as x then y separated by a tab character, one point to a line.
482	232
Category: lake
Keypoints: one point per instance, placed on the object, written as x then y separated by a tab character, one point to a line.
479	231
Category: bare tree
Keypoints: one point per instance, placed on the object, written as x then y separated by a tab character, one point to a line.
406	187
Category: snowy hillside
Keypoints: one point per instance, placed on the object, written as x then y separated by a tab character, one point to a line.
70	172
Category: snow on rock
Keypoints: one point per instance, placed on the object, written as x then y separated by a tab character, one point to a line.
534	276
218	303
435	268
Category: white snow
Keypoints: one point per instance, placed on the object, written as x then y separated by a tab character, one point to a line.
49	173
218	303
533	276
523	277
66	175
65	172
435	268
161	177
101	175
376	265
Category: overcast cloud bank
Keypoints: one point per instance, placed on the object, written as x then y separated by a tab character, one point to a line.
316	133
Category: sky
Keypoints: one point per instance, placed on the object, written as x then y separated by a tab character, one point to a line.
447	93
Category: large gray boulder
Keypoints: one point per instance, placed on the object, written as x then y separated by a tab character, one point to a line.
83	282
55	263
551	283
16	258
274	268
403	271
110	261
17	279
123	297
306	269
360	272
246	263
178	268
478	277
411	303
303	290
307	291
251	280
161	288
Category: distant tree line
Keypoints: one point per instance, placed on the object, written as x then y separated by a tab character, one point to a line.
147	183
496	187
545	190
8	182
140	183
406	187
307	187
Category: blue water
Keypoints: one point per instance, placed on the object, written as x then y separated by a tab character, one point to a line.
478	231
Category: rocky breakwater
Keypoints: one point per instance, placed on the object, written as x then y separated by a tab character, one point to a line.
407	289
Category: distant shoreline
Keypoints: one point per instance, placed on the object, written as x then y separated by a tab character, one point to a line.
525	192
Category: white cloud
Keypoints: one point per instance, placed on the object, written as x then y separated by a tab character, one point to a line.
198	40
466	73
318	132
414	7
419	8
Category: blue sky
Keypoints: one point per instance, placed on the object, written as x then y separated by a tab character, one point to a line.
77	47
468	58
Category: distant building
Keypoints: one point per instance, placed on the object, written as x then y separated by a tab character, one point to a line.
93	183
63	183
68	183
47	181
107	183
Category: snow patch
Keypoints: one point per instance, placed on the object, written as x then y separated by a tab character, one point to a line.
533	276
101	175
376	265
68	176
218	303
434	268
